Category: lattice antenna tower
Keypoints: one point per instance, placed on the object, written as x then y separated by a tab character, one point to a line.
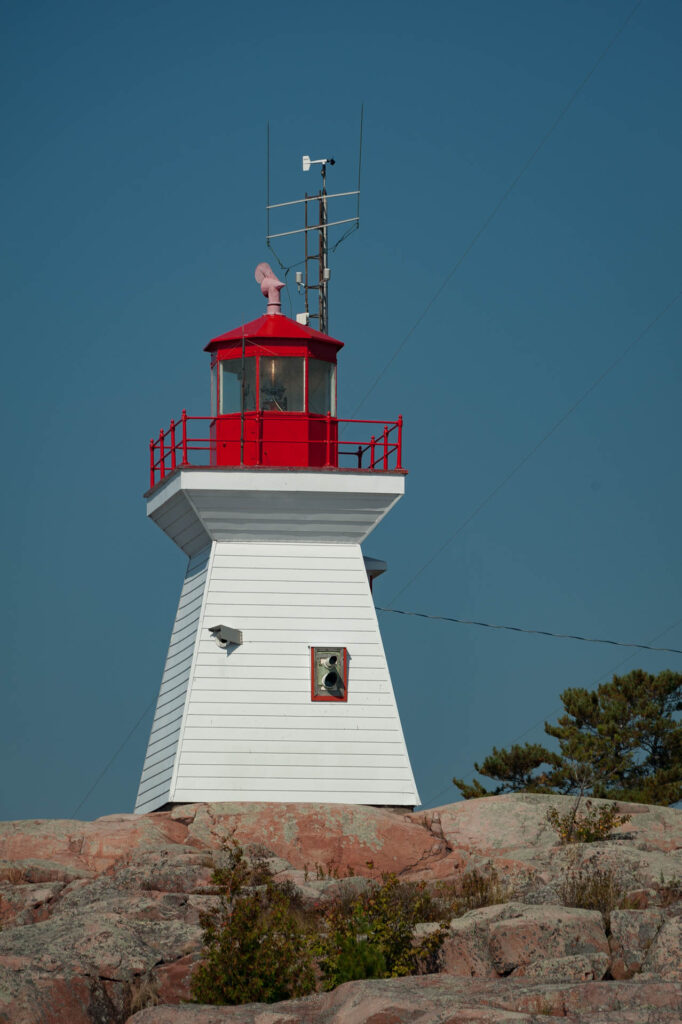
314	279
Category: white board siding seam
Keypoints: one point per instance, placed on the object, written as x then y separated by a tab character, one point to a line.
192	671
153	750
155	782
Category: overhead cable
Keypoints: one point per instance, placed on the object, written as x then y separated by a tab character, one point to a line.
534	632
111	760
555	711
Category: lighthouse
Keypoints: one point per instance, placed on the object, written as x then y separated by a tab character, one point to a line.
276	685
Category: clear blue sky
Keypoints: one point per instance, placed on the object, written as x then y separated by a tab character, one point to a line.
134	194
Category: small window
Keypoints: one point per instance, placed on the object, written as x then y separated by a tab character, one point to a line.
281	384
321	396
231	385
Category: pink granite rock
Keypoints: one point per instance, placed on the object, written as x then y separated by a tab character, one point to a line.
336	838
94	912
632	935
580	967
466	951
534	933
438	999
664	957
90	846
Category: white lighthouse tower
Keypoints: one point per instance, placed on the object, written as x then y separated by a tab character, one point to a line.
276	686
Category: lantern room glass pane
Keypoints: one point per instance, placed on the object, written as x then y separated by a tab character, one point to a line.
281	384
321	390
231	385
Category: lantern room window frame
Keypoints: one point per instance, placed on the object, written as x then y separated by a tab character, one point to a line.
257	352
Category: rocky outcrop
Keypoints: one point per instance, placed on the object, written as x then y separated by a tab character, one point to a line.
438	999
101	919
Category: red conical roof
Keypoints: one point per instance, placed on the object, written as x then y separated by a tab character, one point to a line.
272	325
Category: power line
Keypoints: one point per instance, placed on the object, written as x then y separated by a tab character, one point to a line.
555	710
498	206
555	426
109	763
533	632
604	675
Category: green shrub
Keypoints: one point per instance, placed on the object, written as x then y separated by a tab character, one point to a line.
262	945
590	826
373	934
255	949
354	959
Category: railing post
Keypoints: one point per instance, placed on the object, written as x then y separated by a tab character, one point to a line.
184	439
329	439
372	449
172	435
152	475
399	450
258	437
385	448
359	455
162	455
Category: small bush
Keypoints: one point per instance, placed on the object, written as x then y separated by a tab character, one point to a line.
591	826
354	959
592	888
373	935
255	950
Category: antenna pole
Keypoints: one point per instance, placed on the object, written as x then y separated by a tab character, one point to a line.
324	270
305	262
243	397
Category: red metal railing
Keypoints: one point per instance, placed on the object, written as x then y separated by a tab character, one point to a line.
181	446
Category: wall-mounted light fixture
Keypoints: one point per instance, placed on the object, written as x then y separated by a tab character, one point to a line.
225	635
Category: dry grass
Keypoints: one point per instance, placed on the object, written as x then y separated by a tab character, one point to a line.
144	992
592	888
13	873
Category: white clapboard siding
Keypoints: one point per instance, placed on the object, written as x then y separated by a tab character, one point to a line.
285	568
158	767
250	730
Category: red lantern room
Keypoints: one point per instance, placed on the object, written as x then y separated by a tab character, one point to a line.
273	404
273	387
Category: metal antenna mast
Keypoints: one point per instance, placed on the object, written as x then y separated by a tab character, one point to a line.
321	257
308	280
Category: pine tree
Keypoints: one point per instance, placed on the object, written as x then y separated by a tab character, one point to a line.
530	768
625	738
